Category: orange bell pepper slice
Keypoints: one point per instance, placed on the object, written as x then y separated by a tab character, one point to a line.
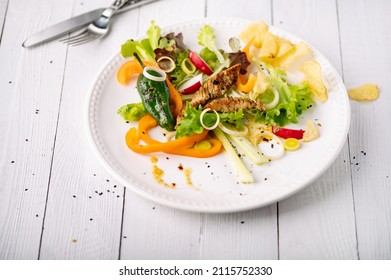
147	122
181	146
144	125
128	70
248	86
132	140
175	98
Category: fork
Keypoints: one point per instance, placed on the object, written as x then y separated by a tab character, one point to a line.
100	27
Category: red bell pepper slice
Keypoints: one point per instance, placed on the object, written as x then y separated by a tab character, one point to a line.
288	132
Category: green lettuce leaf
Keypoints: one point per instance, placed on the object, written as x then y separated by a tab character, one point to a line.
145	47
142	48
234	118
132	112
303	96
206	38
294	99
153	35
210	58
190	122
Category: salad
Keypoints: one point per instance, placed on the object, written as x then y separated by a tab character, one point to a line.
238	100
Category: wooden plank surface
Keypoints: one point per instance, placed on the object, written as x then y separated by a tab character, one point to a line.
58	202
29	119
308	227
366	57
3	12
84	211
252	10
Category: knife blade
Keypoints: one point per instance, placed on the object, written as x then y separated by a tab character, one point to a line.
62	28
75	23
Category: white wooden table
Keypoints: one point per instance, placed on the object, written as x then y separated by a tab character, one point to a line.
58	202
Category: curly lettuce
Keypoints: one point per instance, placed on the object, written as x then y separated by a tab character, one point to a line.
206	38
293	101
153	35
210	58
145	47
190	123
234	118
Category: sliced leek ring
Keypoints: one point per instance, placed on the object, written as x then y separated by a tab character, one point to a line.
202	119
232	131
160	78
188	67
275	100
291	144
166	63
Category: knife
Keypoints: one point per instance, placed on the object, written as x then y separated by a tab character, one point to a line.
75	23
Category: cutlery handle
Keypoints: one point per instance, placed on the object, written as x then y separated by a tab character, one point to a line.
134	4
118	4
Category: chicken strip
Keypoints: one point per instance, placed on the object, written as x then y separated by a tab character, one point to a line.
216	86
232	104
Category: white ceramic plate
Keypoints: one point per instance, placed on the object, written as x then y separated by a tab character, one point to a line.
217	189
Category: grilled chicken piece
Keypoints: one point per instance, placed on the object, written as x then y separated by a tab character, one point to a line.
232	104
216	86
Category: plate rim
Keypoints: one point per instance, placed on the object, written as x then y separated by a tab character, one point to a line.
230	208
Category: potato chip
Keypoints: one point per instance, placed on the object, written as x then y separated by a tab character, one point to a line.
269	46
284	46
261	84
297	53
311	132
313	75
366	92
255	29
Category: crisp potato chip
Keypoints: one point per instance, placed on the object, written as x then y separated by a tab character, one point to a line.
366	92
269	46
261	84
311	132
284	46
313	75
255	29
297	53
